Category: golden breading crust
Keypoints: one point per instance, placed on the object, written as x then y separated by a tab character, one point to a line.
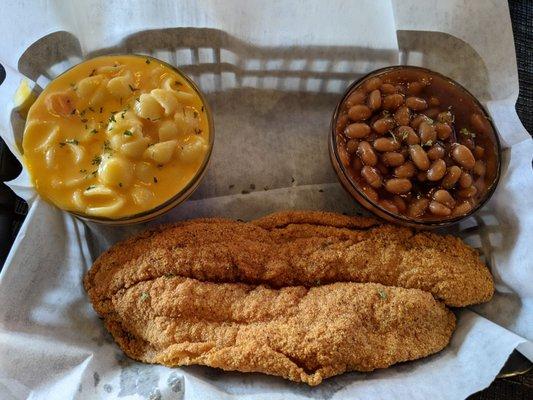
297	248
304	335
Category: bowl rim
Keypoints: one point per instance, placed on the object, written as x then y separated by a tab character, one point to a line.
189	188
434	223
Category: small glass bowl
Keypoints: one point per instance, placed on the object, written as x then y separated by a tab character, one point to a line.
355	191
183	194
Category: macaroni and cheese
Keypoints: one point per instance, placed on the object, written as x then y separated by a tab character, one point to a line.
115	136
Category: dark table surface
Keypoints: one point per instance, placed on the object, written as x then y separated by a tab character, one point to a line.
519	387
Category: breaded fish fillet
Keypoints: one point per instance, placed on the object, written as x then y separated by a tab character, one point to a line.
301	334
298	248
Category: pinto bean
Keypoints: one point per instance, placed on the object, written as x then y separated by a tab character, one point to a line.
372	176
446	117
416	103
366	154
374	100
465	180
393	159
436	152
417	208
387	88
359	112
419	157
479	152
452	176
389	206
386	144
397	185
463	156
444	131
383	125
479	168
444	197
357	97
399	203
437	170
406	170
464	208
373	84
351	146
392	101
427	133
402	116
480	123
439	209
415	88
467	192
416	121
357	130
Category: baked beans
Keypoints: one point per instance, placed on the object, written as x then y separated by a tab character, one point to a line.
416	145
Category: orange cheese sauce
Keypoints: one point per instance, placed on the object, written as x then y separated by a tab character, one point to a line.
115	136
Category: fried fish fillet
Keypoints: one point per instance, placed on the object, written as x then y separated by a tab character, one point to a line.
297	248
301	334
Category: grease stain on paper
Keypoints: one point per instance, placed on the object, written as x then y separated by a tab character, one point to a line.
96	378
137	379
175	382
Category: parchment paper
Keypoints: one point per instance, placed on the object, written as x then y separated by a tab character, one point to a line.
273	73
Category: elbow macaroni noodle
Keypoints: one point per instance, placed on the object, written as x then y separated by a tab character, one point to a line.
115	136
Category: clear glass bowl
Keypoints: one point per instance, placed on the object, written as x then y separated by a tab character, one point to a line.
183	194
355	191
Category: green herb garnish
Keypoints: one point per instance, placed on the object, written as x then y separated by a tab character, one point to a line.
96	160
382	294
467	133
144	296
128	133
72	141
91	187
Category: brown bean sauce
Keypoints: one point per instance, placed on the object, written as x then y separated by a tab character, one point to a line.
451	133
